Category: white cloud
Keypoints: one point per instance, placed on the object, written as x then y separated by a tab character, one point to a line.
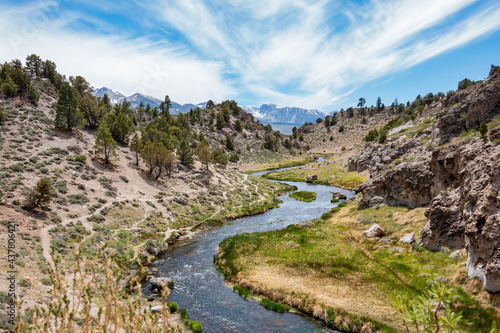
291	52
127	65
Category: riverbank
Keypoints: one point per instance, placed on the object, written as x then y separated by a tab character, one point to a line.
327	269
328	172
300	160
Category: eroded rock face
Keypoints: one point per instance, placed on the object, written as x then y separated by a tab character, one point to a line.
410	185
445	226
481	190
469	107
460	181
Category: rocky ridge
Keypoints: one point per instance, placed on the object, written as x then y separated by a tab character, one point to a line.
441	162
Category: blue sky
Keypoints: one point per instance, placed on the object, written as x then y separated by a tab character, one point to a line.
314	54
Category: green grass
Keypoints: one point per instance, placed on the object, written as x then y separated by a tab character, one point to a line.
242	291
271	305
303	196
281	164
332	251
329	173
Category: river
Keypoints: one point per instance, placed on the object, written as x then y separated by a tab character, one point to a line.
201	290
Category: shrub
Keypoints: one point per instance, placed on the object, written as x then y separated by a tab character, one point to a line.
234	158
18	167
9	87
46	281
173	307
184	314
195	326
372	135
78	199
33	94
24	283
96	218
3	115
80	158
483	130
39	196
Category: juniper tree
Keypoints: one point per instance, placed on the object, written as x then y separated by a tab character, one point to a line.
136	145
39	196
104	143
67	114
185	153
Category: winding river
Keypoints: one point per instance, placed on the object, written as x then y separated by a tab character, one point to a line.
201	290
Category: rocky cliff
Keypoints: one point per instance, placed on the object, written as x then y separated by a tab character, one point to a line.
442	162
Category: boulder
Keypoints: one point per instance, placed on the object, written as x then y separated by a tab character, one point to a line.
374	231
156	250
156	308
159	282
311	178
408	239
385	240
339	196
291	245
455	255
180	200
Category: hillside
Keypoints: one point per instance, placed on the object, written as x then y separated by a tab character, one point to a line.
448	162
347	132
118	205
426	215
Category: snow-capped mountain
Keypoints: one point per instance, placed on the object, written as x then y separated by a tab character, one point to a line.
272	114
136	99
178	108
114	96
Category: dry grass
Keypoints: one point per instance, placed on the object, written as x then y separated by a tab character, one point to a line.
335	267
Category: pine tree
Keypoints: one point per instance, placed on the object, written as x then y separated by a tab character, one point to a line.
237	126
9	88
185	153
104	143
229	142
220	121
67	114
203	152
136	145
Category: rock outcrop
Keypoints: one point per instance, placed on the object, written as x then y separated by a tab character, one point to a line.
457	176
311	178
159	282
445	225
410	185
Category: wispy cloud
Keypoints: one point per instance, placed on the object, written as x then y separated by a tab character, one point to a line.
294	52
124	64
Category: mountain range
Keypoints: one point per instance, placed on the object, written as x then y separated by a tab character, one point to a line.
266	113
275	114
136	99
